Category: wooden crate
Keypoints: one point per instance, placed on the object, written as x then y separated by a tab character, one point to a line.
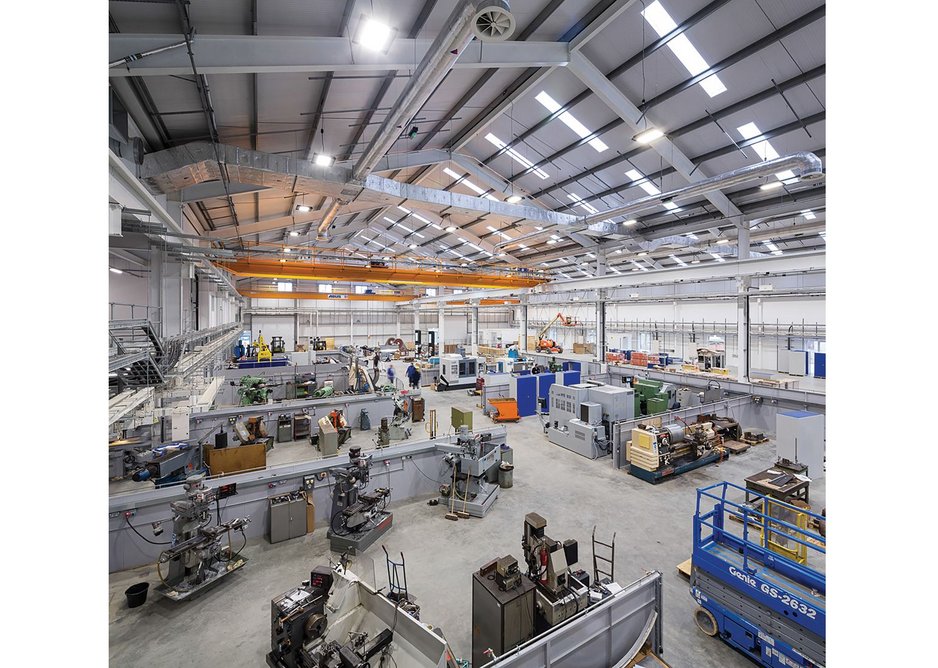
236	459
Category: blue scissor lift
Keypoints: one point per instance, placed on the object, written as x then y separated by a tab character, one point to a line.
757	575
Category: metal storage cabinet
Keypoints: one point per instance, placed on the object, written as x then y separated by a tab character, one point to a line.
524	391
287	518
501	620
820	365
799	436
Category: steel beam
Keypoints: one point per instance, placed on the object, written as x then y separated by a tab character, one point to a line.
616	100
245	54
773	264
213	189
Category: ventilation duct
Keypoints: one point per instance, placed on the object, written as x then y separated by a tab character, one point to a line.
494	22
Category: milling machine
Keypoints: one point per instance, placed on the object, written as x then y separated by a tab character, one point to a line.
357	519
471	462
196	557
458	372
253	390
581	416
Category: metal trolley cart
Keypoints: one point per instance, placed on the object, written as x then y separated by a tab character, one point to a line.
758	577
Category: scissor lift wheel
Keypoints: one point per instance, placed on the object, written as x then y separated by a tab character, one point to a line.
706	621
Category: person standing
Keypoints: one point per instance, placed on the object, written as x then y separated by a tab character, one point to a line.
390	373
411	372
376	360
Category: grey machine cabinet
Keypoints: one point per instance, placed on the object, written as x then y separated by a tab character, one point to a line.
287	519
501	620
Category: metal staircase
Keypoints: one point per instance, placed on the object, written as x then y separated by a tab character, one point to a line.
137	353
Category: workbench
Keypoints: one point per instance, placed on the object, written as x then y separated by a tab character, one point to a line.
759	483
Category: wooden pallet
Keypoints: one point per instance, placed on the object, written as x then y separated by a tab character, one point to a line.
737	447
743	439
684	568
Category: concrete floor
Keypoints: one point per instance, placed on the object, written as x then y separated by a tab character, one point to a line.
229	624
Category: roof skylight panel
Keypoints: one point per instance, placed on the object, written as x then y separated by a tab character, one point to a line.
517	157
678	260
469	184
662	23
568	119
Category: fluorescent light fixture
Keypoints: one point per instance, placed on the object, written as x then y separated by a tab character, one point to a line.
403	209
613	269
678	260
771	186
539	229
643	254
517	157
772	248
323	160
555	237
500	255
638	266
551	241
412	246
581	203
451	229
723	241
648	136
386	258
302	208
490	228
476	247
505	236
374	35
716	257
563	274
116	271
691	235
695	261
630	221
808	215
514	199
787	175
294	233
469	184
672	207
522	247
618	251
567	118
591	255
662	23
287	250
404	227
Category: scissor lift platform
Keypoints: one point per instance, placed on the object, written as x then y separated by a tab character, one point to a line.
759	582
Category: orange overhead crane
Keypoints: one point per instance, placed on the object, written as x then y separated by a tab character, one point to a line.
323	271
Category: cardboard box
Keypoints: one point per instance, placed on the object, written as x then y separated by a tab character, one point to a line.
235	459
310	513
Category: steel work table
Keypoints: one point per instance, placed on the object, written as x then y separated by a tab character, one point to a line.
794	489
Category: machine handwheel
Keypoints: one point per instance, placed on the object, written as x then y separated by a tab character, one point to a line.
706	621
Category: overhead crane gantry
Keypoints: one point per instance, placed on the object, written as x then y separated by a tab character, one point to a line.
321	271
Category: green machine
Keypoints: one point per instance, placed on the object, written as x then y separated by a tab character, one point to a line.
653	396
253	390
277	345
459	418
323	392
554	366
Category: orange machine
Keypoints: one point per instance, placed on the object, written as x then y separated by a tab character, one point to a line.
549	345
506	410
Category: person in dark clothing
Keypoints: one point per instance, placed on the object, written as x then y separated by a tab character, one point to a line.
411	370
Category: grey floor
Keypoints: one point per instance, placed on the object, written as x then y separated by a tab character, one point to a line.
229	624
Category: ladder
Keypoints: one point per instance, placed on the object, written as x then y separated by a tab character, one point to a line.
607	562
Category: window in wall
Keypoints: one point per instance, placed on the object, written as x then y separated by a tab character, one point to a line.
360	289
457	292
431	292
284	287
325	287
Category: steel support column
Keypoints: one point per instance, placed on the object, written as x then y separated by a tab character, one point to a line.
742	308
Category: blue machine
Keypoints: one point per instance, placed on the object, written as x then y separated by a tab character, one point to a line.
757	580
571	377
239	350
524	390
544	381
571	366
820	365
